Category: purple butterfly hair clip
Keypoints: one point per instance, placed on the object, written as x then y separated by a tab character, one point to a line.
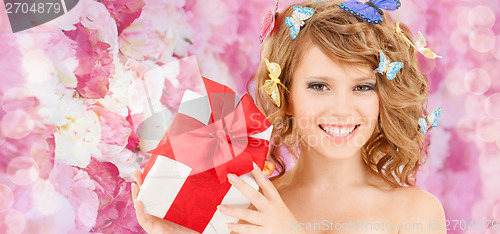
370	11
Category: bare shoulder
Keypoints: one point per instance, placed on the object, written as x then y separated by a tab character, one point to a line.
419	206
415	199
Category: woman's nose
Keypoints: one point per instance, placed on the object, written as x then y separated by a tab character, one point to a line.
341	104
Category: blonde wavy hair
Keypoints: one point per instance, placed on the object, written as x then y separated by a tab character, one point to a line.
396	149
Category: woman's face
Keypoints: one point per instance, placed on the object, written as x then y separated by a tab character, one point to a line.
335	106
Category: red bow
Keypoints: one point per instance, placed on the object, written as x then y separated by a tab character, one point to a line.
223	143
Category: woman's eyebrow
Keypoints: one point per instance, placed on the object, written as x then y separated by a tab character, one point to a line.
364	78
358	79
325	78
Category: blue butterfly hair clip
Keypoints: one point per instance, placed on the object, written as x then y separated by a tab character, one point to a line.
431	120
297	20
370	11
385	66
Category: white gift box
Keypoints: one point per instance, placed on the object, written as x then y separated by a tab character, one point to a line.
167	176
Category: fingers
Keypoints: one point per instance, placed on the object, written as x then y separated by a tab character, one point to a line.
139	207
138	176
260	202
245	228
135	191
267	186
141	216
251	216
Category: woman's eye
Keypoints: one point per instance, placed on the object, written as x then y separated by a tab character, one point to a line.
364	88
318	87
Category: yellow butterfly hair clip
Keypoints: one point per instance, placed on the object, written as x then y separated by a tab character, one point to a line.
421	47
421	43
271	86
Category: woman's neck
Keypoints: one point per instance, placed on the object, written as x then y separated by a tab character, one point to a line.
318	171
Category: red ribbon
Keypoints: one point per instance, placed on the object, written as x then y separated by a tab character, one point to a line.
220	143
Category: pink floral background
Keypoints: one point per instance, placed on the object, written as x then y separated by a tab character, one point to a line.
73	93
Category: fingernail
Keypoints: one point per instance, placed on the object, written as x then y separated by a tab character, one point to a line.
230	225
221	207
232	177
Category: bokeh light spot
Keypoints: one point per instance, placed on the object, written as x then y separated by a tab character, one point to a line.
13	221
6	197
480	209
481	16
22	170
488	129
474	106
46	199
16	124
496	50
455	81
482	40
493	68
477	81
492	105
14	98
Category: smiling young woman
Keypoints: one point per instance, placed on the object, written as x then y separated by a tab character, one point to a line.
353	132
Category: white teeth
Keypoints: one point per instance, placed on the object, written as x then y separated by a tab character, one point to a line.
338	132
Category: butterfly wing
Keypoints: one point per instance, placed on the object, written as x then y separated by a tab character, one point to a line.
432	118
266	26
392	69
388	5
274	69
271	88
423	125
382	65
303	13
428	53
294	27
437	112
421	44
363	11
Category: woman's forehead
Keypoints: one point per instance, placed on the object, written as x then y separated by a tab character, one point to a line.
315	63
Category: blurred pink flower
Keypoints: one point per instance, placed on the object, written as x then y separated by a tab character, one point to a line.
158	33
78	188
115	129
116	209
181	75
134	121
95	64
124	11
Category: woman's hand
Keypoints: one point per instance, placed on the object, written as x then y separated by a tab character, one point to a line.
273	216
150	223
